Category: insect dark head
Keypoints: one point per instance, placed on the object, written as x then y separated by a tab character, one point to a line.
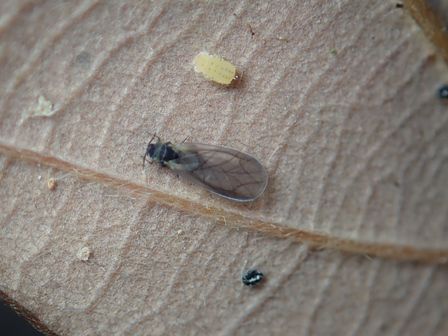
151	149
252	277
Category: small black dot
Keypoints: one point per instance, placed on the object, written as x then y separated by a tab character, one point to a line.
443	92
398	5
252	277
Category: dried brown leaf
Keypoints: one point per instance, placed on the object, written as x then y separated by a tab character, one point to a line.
338	101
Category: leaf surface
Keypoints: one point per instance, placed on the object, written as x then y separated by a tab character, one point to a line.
338	101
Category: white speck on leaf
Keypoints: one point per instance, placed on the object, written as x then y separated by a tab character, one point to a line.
84	253
51	183
44	107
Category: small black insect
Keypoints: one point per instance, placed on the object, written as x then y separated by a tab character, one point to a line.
443	92
223	171
252	277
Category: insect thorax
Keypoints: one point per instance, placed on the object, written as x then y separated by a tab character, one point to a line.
162	152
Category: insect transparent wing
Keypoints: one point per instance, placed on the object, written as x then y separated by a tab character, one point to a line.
224	171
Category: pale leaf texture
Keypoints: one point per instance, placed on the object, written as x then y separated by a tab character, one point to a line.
338	101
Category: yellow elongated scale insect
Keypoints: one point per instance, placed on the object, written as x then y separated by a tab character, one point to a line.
216	69
223	171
